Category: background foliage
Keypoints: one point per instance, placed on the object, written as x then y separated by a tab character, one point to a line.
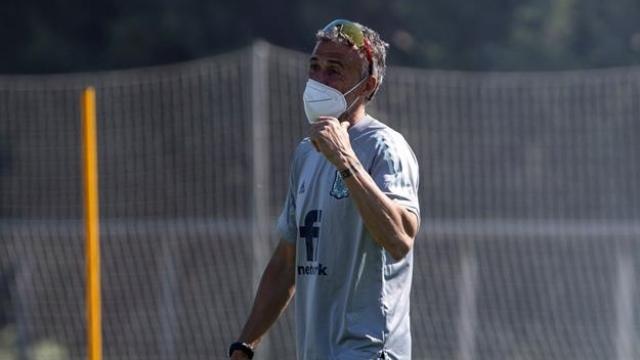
75	35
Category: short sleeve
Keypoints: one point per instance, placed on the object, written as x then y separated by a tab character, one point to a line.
395	171
286	224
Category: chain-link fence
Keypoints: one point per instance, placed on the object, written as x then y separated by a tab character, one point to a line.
530	237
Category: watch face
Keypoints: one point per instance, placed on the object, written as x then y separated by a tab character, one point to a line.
346	173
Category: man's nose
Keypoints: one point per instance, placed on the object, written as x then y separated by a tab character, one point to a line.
321	77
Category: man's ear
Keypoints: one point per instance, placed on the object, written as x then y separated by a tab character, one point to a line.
370	87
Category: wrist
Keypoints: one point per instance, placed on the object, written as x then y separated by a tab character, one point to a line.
243	347
346	173
350	169
349	161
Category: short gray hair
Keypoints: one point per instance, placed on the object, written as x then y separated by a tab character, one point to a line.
377	46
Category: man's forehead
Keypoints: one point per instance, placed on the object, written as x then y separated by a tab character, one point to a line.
331	51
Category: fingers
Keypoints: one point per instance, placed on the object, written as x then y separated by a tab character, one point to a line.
318	134
321	128
326	119
325	122
327	131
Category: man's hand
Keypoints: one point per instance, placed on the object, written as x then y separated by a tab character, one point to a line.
330	137
239	355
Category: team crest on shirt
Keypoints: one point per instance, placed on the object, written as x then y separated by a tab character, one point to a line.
339	189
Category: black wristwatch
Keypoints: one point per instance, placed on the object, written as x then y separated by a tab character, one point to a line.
244	347
347	172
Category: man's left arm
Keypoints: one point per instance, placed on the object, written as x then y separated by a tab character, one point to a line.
391	224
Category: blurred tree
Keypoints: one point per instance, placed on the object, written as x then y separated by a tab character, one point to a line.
53	35
75	35
453	34
561	34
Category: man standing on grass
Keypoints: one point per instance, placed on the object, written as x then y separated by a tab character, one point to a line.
350	218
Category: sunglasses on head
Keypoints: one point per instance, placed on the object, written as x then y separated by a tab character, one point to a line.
353	34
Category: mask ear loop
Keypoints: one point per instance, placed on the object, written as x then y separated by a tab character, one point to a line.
356	85
354	100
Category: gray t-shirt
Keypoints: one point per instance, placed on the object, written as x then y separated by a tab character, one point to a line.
352	297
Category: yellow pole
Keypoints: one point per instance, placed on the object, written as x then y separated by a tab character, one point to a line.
90	157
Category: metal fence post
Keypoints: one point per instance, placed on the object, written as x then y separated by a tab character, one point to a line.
260	145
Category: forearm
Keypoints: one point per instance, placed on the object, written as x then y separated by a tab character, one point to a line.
274	293
391	225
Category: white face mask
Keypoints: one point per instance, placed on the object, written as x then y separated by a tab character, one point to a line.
322	100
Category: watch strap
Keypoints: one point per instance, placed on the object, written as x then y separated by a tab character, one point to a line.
244	347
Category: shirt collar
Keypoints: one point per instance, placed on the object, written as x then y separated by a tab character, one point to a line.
360	125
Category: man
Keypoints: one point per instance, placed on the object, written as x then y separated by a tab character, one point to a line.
350	217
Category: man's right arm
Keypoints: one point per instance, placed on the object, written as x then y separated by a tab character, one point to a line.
276	289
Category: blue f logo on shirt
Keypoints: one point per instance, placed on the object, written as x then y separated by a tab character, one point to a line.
310	233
